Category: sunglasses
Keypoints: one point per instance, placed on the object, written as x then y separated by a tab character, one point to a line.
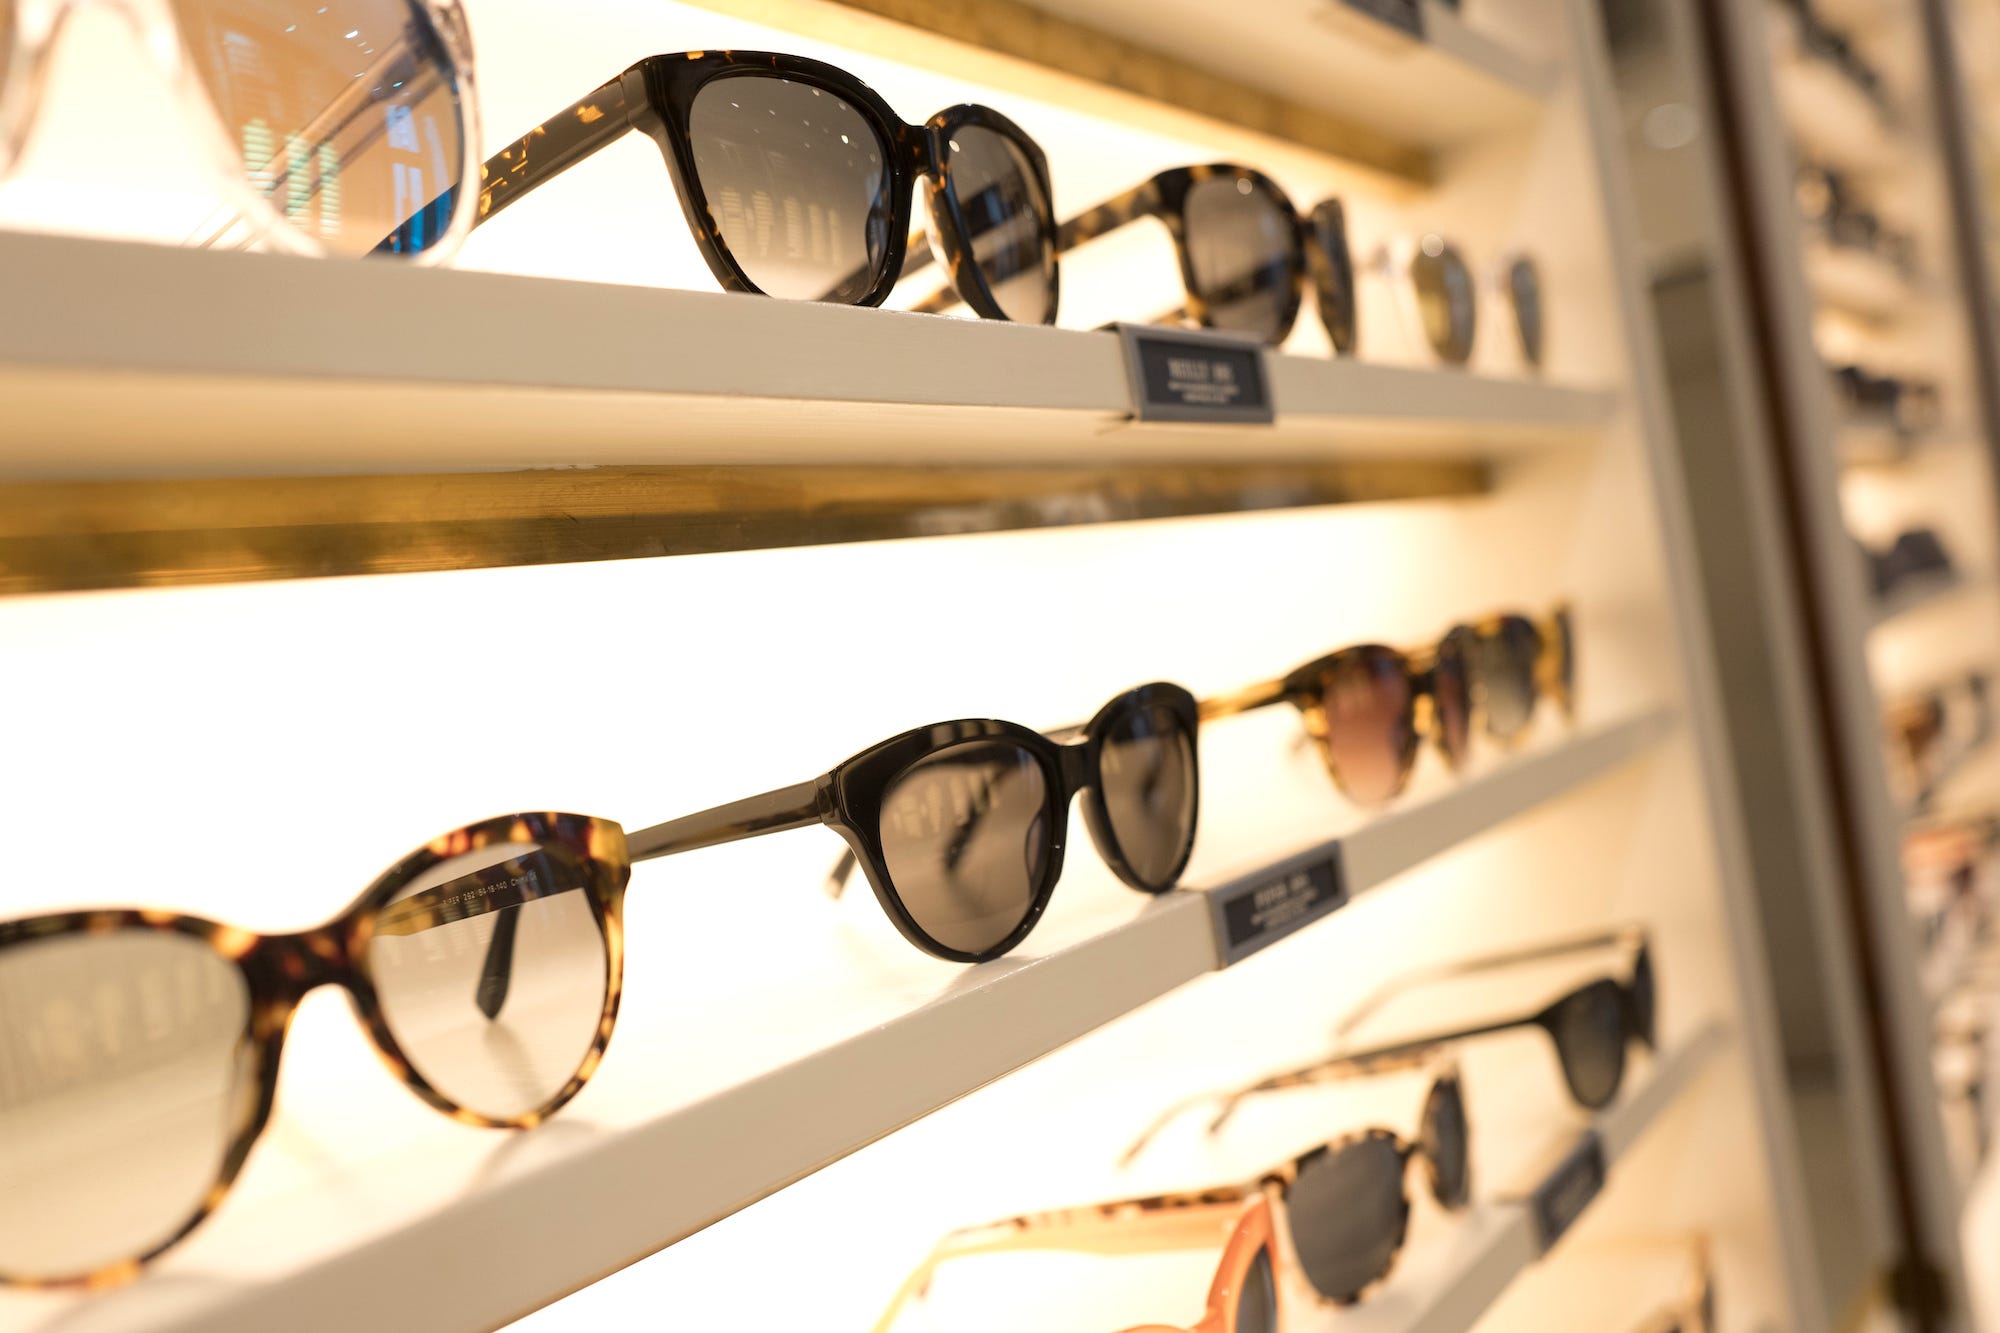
1438	292
751	138
341	128
1370	707
1343	1209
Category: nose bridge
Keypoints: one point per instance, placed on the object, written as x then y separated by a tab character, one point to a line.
1075	766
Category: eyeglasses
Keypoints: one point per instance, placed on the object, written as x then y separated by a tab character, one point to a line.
139	1050
1343	1208
1906	406
1437	291
796	179
1370	707
1931	733
338	128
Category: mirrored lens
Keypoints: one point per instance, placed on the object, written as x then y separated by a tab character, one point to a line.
1348	1213
1334	275
348	114
1451	693
1147	775
1257	1303
125	1075
1000	200
797	182
1242	251
1506	676
1446	1143
965	838
1444	293
1370	729
1589	1032
1524	286
492	973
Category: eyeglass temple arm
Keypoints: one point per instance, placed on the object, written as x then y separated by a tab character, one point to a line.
796	806
1137	1226
1261	695
580	129
1466	967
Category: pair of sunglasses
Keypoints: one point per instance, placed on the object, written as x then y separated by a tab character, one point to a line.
796	179
336	128
1343	1210
1370	707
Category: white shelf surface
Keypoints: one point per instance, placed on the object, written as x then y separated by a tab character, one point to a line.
1860	283
247	365
328	1233
1457	85
1931	591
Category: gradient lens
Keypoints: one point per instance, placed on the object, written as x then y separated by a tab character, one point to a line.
1333	268
1589	1032
1451	694
1524	287
1257	1302
1506	673
1370	728
1146	772
1348	1214
1444	293
966	840
1242	251
1006	221
126	1073
348	115
797	182
492	973
1446	1143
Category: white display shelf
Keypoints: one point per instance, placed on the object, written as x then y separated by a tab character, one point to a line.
1457	85
1447	1280
1928	593
1860	283
241	364
1833	120
326	1233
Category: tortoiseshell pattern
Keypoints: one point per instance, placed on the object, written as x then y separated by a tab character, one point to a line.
656	96
279	970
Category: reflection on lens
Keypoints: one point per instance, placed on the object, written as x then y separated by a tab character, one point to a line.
796	181
965	838
1445	1143
1506	675
1370	728
1524	286
1348	1212
347	114
1451	693
1257	1303
1001	202
495	989
1242	256
1589	1032
1444	299
125	1074
1334	273
1147	771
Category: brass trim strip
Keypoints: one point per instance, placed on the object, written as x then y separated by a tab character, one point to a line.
71	536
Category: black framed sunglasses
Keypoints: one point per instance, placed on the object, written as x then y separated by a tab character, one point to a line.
796	178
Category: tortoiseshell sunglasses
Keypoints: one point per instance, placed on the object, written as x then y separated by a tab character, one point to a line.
796	178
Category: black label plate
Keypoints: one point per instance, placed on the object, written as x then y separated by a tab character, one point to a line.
1567	1190
1258	910
1195	375
1402	15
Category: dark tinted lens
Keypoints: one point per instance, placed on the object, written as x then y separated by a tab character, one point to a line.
1348	1213
1242	253
965	837
347	114
1257	1303
1451	694
1001	202
1369	725
1334	273
1444	299
1565	649
1506	667
1446	1144
796	181
1147	768
1589	1031
1524	285
1644	998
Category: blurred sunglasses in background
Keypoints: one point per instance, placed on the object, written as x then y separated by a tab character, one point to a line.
796	179
1694	1312
1438	290
338	128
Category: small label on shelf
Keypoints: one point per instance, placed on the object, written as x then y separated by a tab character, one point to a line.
1195	375
1402	15
1259	910
1566	1191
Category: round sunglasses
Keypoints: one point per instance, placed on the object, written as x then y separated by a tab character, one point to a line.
751	138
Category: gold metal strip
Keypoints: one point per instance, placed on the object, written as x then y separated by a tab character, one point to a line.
70	536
